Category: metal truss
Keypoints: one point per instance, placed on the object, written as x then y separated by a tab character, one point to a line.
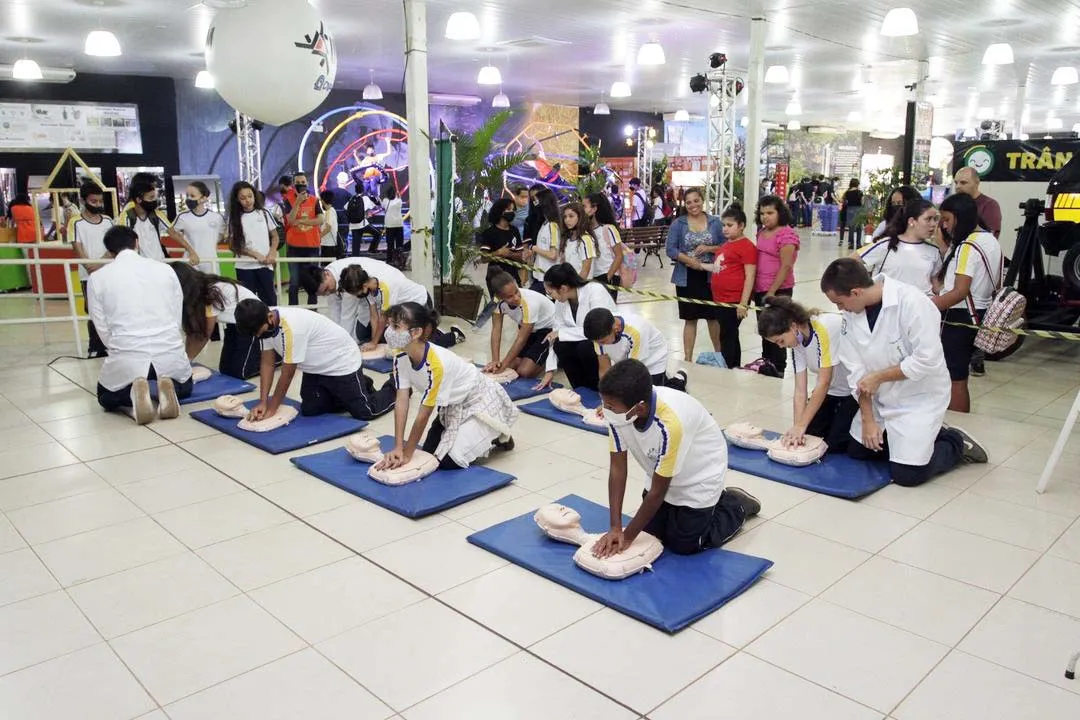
723	88
645	139
248	149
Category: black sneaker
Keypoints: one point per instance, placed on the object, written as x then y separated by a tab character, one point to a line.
458	333
978	369
974	452
484	316
504	445
751	505
678	381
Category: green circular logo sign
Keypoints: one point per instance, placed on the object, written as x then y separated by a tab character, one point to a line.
980	159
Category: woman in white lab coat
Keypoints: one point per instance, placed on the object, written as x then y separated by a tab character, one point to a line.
896	368
574	297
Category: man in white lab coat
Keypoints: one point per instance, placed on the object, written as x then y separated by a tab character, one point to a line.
890	345
136	305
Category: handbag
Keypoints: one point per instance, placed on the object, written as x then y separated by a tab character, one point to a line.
1006	310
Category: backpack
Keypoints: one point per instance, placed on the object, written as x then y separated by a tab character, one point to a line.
356	210
648	214
1006	310
628	271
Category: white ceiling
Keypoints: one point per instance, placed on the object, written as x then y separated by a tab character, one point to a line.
839	61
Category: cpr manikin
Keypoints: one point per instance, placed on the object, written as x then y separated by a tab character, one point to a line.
570	402
504	377
381	352
364	447
231	406
564	524
752	437
200	373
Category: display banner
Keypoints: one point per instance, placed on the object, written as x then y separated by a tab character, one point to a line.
1015	160
35	126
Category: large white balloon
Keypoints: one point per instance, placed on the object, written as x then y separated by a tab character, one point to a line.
272	60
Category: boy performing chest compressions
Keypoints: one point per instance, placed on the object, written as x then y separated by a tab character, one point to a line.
682	450
890	347
622	336
535	315
334	379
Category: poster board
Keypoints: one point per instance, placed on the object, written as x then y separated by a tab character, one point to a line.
27	126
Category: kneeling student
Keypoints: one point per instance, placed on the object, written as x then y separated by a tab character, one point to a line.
473	412
812	338
334	380
622	336
535	315
890	346
682	449
209	300
348	311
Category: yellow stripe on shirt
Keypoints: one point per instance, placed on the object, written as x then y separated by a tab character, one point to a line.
825	351
671	433
435	379
287	341
963	257
384	290
634	337
525	310
590	245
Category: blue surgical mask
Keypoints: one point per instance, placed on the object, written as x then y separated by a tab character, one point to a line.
397	339
800	339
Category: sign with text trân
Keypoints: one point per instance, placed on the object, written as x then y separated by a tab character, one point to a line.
1015	160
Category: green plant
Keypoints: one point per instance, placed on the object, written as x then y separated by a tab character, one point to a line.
877	192
659	170
590	177
481	165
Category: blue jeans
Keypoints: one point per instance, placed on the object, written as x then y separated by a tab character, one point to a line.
297	270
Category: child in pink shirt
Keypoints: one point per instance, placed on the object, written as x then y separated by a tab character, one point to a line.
778	248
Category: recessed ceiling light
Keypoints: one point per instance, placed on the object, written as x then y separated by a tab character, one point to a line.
1065	75
24	39
225	4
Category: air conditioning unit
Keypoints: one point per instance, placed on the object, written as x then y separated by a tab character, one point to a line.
48	74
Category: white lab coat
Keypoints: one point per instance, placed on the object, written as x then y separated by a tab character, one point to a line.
571	329
137	307
907	333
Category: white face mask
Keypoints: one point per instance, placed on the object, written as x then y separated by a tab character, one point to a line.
620	420
397	339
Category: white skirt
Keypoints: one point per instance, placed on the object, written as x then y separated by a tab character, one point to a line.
472	426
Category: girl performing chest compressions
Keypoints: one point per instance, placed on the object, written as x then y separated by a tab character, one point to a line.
208	300
906	252
813	340
535	315
571	351
473	412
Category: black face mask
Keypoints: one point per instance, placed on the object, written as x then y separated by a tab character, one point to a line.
509	216
191	204
271	333
150	206
301	189
95	209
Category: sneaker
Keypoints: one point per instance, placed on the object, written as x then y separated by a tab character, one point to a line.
168	403
974	452
458	333
505	445
751	505
678	380
484	316
978	369
142	407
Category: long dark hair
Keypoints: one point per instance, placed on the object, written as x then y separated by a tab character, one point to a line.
236	213
783	212
898	225
200	292
966	212
563	275
548	205
498	208
907	192
605	214
779	314
578	231
414	315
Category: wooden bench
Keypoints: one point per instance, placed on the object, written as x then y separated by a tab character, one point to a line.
650	239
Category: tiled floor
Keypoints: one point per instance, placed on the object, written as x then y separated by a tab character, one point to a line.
170	572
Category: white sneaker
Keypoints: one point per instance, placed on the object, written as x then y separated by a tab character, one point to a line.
168	403
142	407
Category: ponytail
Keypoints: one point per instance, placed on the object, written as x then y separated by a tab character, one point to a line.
778	315
414	315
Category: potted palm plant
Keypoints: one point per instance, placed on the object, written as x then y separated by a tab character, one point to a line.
481	165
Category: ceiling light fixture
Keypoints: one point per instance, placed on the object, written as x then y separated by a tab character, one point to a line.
1076	128
1065	75
900	22
854	116
745	122
101	43
998	54
462	26
793	108
651	53
204	80
501	100
26	69
601	107
489	75
371	90
629	130
777	75
794	125
681	116
619	89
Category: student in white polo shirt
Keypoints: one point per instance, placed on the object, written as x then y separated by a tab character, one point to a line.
535	316
348	311
87	232
622	336
683	452
150	223
334	380
202	227
209	300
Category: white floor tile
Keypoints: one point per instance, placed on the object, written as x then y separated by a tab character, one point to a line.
760	691
102	552
178	657
956	554
919	502
509	510
422	650
90	684
328	601
523	688
23	460
84	425
43	487
132	467
1068	545
23	577
911	599
363	526
519	605
10	539
95	447
303	685
1051	583
848	523
803	561
863	659
224	518
303	495
73	515
541	467
1004	521
40	629
776	498
437	559
133	599
613	653
1015	486
484	502
749	615
966	688
167	492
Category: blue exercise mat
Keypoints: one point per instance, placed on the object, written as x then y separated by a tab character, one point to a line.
836	475
210	389
300	433
382	365
680	589
441	490
524	388
544	409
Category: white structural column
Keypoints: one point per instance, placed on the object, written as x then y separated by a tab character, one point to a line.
248	150
755	86
1021	99
416	113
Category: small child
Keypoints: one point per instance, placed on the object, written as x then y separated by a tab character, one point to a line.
622	336
734	270
682	450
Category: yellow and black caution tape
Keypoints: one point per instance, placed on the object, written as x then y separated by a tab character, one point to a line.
1048	334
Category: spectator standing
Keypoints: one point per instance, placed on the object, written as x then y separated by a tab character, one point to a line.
778	249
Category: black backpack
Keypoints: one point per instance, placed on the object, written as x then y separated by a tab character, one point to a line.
649	213
355	210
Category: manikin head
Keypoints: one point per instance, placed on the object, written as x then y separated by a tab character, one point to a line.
848	285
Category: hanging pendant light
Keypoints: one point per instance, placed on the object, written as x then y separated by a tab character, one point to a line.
26	69
501	100
619	89
651	53
462	26
777	75
101	43
601	107
793	108
371	90
900	22
204	80
681	115
998	54
489	75
794	125
1065	75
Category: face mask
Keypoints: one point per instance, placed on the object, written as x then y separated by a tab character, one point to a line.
150	206
397	339
620	420
300	189
95	209
508	216
191	204
799	338
271	333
